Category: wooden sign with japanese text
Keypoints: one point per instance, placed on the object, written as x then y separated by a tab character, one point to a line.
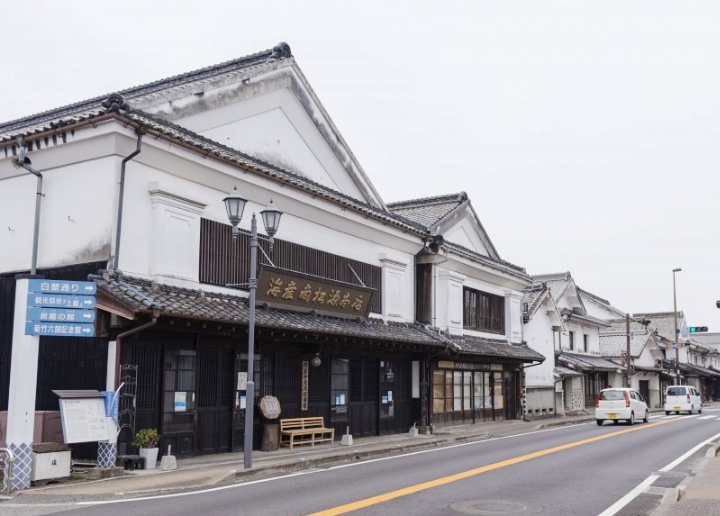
291	289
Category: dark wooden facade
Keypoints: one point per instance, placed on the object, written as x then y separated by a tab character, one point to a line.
204	369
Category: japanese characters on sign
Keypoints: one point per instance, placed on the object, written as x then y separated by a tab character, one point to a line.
58	308
294	289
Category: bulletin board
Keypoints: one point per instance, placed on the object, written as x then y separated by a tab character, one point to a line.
83	420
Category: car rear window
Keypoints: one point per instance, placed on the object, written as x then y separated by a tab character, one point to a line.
676	391
612	395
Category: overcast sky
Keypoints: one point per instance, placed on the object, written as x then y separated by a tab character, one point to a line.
587	134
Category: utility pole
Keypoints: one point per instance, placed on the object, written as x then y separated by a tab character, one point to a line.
677	332
627	357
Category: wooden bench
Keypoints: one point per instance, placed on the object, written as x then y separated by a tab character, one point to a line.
304	430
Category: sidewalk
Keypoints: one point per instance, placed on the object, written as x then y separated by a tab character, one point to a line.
210	470
698	495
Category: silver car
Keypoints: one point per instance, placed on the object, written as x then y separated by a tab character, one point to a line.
616	404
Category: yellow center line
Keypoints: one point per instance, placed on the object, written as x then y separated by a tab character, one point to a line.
391	495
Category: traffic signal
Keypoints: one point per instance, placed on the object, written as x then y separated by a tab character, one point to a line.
697	329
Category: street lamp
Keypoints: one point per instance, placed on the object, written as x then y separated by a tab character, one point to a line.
234	204
677	332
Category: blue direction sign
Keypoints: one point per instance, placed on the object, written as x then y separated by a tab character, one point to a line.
59	308
61	301
60	315
59	329
45	286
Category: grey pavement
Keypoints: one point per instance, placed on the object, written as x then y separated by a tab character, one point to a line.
698	495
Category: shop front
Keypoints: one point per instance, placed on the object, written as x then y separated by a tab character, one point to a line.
467	392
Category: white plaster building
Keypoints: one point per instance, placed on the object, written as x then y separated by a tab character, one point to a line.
132	199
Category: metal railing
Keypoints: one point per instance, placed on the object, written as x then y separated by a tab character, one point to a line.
6	469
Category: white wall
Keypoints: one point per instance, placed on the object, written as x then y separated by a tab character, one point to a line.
539	336
76	216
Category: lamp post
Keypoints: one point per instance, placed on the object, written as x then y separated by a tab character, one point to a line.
235	205
677	332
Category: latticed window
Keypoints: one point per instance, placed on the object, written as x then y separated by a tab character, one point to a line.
483	311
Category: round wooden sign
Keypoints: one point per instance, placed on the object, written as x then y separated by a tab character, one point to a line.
270	407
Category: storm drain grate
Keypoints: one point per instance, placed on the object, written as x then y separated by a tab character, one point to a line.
656	490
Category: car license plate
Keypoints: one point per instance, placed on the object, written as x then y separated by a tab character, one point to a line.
612	415
676	409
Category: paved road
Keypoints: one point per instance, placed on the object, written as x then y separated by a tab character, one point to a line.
582	470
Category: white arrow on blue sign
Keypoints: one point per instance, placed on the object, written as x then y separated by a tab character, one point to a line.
43	286
60	315
59	329
61	301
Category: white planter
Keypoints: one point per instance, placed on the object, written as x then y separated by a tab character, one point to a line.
150	455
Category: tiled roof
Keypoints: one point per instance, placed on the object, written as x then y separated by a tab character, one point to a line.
500	265
564	371
662	322
225	153
532	297
90	107
569	314
613	344
557	283
585	362
142	295
499	348
428	211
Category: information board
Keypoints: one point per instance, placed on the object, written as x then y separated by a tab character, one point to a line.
83	420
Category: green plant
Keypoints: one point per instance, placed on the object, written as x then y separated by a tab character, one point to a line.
146	438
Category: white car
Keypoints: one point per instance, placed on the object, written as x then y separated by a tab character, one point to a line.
616	404
682	398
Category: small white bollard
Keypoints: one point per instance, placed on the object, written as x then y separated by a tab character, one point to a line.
413	432
168	462
347	439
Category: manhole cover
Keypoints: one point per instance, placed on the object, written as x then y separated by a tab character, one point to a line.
654	490
495	507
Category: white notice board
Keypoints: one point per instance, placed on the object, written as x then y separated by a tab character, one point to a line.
83	420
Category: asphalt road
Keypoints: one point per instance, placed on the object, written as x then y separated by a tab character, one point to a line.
577	470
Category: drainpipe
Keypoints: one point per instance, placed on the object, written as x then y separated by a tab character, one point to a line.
24	162
140	132
131	331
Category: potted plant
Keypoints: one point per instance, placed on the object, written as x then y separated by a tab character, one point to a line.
146	441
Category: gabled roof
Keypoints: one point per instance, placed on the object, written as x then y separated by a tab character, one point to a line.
533	298
569	315
428	211
558	283
662	322
614	344
78	110
438	214
141	296
183	96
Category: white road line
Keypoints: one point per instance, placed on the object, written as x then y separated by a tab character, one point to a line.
622	502
708	417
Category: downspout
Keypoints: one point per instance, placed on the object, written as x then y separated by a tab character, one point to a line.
24	162
131	331
140	132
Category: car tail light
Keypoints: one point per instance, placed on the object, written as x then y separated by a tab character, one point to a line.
688	396
627	399
597	401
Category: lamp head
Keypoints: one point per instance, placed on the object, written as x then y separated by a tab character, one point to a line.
677	270
271	219
234	204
